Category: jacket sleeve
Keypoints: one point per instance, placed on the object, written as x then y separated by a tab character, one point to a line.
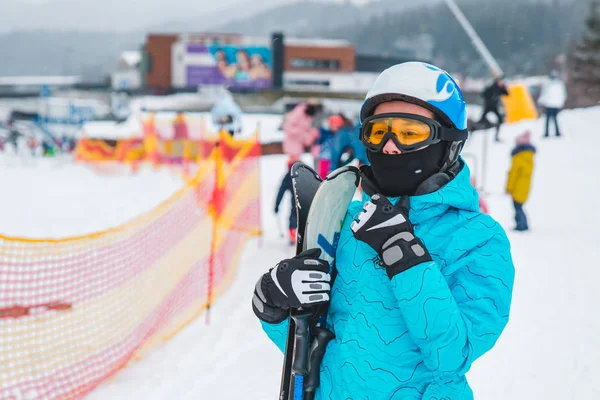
513	175
277	333
456	319
324	134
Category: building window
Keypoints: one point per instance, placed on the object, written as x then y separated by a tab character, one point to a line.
305	82
311	63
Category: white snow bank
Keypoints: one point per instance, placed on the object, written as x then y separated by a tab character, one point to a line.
51	199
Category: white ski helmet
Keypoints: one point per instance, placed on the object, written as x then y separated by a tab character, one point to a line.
422	84
427	86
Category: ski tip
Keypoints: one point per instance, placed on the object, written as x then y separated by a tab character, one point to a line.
344	170
299	166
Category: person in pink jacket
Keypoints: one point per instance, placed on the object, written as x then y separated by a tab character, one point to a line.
298	129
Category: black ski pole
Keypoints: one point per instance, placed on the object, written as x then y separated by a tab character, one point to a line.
322	336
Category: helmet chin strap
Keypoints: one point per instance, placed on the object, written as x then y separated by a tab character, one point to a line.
450	165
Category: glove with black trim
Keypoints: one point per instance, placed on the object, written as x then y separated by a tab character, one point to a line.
299	282
387	229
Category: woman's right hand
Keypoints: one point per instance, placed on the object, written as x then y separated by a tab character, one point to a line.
299	282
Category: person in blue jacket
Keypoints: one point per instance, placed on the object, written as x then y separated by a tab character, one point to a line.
347	146
423	280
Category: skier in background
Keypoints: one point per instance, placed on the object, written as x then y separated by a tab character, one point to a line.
285	186
553	98
347	147
519	177
423	280
13	136
227	115
298	130
326	142
491	103
32	144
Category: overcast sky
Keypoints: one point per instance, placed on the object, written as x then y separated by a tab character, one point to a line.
119	15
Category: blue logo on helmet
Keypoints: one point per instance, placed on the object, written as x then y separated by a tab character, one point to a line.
450	100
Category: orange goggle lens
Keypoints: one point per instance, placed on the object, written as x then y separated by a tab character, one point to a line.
407	131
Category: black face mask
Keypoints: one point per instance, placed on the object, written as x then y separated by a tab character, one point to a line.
401	174
310	110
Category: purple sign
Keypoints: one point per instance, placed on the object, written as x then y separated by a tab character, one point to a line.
234	66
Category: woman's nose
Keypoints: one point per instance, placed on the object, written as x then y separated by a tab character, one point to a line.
391	148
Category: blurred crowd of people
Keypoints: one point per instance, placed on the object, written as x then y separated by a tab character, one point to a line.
17	142
332	140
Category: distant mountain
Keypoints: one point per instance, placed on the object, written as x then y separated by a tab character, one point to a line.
306	18
216	20
91	55
524	36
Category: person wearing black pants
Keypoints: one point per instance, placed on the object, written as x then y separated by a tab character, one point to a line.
520	217
551	114
287	185
491	101
552	99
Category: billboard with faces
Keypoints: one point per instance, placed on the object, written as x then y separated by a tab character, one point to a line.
236	66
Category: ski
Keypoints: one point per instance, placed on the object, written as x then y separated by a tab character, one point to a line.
305	184
318	227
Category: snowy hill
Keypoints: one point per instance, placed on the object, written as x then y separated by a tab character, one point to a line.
549	349
52	198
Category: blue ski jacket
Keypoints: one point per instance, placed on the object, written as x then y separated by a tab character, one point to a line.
416	336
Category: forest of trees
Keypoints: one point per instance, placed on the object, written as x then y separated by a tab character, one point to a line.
524	37
584	65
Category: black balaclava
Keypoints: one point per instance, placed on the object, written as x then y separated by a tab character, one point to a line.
401	174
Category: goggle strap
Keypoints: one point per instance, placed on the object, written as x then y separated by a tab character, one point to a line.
453	135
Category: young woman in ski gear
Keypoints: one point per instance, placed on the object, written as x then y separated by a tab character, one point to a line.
302	281
518	183
286	186
298	129
423	280
553	98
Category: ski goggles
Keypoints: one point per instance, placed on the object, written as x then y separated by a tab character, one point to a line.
408	131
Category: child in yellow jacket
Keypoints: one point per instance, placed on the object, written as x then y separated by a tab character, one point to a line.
519	177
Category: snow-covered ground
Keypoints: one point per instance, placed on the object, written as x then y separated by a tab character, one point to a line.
51	197
550	349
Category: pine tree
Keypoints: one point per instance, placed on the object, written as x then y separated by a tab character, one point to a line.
584	75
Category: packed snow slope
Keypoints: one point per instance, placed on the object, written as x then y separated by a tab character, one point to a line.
549	349
53	198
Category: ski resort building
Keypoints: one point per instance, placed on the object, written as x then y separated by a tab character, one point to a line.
175	62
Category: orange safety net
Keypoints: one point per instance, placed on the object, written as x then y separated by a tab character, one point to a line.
74	311
123	150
